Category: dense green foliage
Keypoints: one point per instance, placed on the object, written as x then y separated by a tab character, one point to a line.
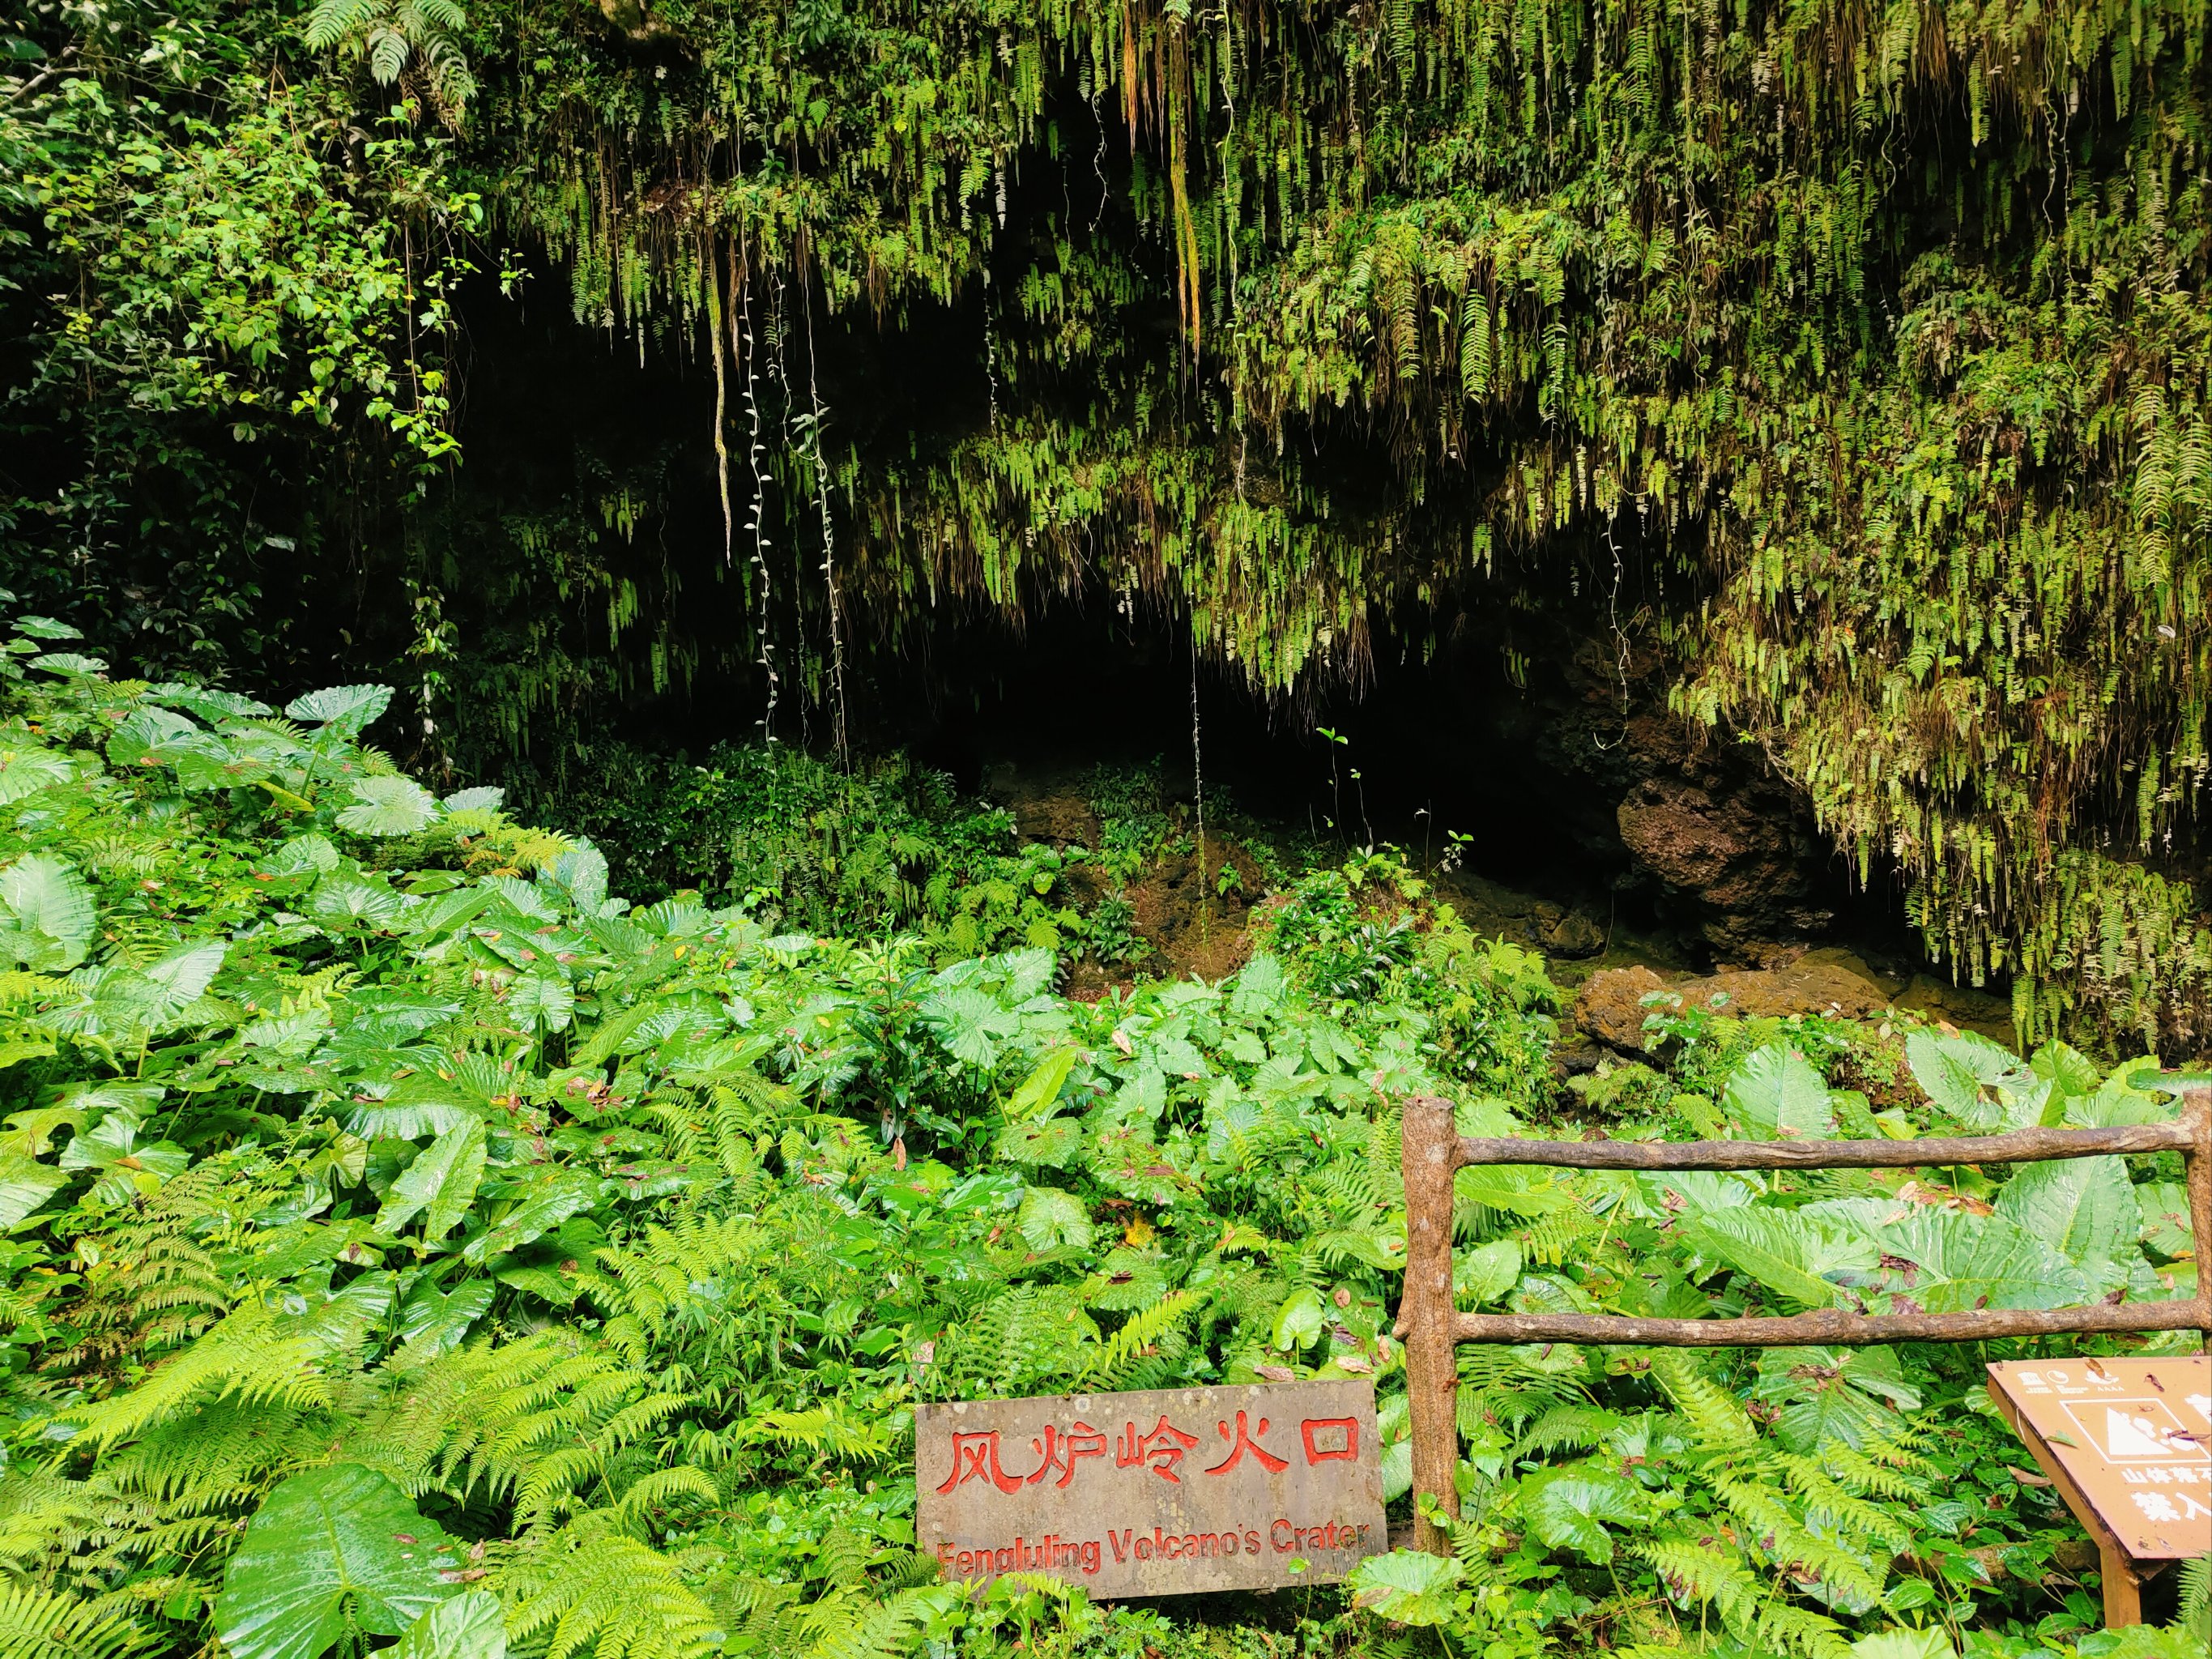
1853	363
409	1238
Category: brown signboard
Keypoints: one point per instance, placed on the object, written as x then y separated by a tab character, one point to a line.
1164	1494
2128	1445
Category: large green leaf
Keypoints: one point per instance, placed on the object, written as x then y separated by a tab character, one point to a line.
2086	1208
1055	1143
334	1533
1960	1261
389	806
1050	1218
346	708
47	916
24	772
2162	1207
1567	1507
1302	1319
540	1001
552	1203
1041	1088
1967	1076
1832	1395
184	975
1485	1272
467	1627
970	1022
433	1322
125	1169
1789	1253
439	1182
25	1183
1409	1586
1775	1096
150	736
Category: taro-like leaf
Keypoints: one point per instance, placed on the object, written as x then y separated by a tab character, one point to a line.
582	870
432	1322
2162	1208
1567	1507
1050	1218
1409	1586
346	708
25	1183
320	1538
1055	1143
1127	1280
483	798
970	1022
24	772
1789	1253
208	703
540	1000
150	735
46	914
438	1184
1260	987
2084	1206
1960	1261
1776	1096
467	1627
127	1169
75	665
45	627
1040	1090
389	806
1302	1319
1959	1073
1834	1395
1485	1272
542	1210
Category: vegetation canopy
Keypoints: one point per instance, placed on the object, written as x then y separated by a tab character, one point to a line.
1847	365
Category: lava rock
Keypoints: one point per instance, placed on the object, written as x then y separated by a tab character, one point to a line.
1741	856
1610	1006
1801	988
1567	933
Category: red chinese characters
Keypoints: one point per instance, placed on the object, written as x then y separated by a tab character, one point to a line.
1061	1450
1315	1430
1160	1449
976	1457
1245	1443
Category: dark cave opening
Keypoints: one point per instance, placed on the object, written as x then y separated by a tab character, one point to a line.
1516	714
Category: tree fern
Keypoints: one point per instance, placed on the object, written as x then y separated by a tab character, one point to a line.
388	34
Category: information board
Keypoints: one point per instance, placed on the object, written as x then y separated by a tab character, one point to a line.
1163	1493
2132	1439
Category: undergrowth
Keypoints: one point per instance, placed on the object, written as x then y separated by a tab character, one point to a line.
414	1246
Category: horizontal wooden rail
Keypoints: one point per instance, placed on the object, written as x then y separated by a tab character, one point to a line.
1432	1325
1827	1326
2020	1147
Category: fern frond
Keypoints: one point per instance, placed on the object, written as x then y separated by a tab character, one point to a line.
38	1624
1141	1330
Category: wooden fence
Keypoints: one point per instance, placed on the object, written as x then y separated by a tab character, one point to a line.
1432	1326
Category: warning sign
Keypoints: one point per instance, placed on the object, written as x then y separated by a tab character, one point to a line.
2136	1431
2128	1441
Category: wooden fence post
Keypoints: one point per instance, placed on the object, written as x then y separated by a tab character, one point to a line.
2197	1166
1429	1156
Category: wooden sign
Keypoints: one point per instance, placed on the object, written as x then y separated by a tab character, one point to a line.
1166	1493
2128	1445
